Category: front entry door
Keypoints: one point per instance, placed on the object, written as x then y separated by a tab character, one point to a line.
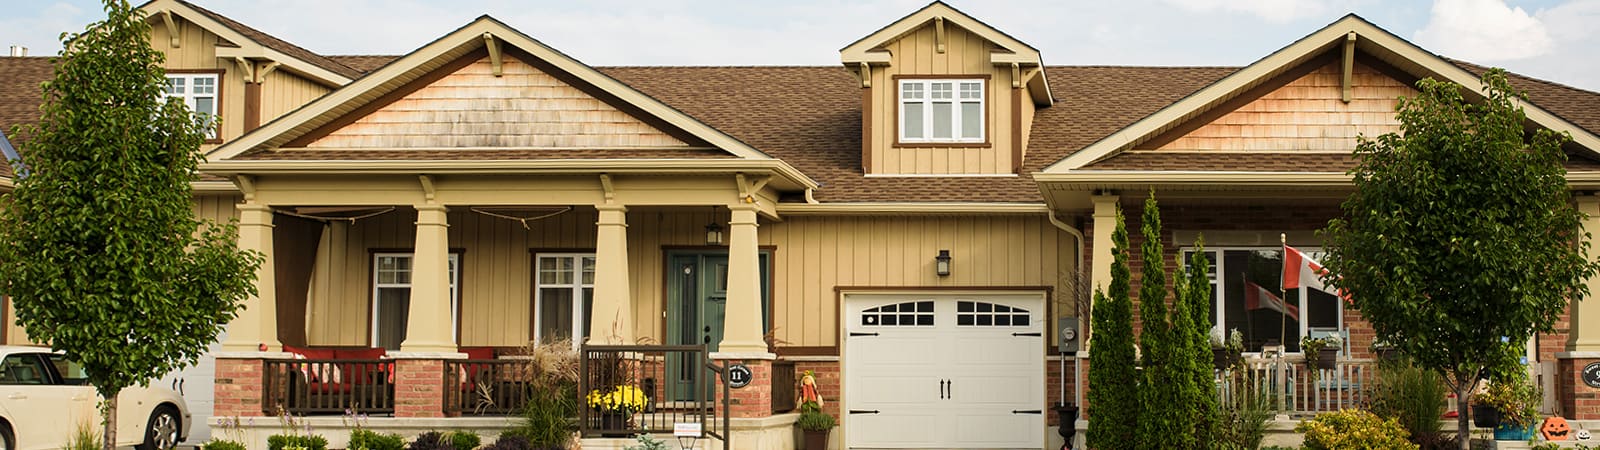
697	287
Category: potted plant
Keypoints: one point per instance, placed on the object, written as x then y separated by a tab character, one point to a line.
1321	353
1225	351
615	407
1515	400
814	424
1385	351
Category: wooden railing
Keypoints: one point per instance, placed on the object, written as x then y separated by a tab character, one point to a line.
1291	388
679	382
485	387
327	386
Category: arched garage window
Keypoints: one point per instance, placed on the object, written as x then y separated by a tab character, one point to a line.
908	314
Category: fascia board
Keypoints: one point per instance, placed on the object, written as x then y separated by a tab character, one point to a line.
869	208
248	48
640	166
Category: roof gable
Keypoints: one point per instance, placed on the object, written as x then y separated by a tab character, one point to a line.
484	37
873	48
1387	49
250	43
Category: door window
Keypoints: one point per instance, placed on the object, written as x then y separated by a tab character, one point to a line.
71	372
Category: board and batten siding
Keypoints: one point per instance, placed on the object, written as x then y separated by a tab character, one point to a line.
812	256
915	55
197	51
472	107
282	92
216	208
1306	115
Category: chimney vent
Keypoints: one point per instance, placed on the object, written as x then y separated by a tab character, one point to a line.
18	50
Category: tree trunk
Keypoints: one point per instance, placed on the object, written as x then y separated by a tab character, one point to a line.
110	421
1463	415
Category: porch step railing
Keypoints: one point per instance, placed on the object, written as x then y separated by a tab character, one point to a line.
327	386
679	383
1291	389
485	387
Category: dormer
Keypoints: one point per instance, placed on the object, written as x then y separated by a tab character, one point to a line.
943	94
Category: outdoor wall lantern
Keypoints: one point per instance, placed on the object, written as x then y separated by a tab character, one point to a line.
713	233
941	263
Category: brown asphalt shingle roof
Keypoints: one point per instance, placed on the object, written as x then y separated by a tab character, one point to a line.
280	45
363	63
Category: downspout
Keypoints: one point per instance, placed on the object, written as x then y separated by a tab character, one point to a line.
1076	363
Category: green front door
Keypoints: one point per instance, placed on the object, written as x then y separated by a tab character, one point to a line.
697	298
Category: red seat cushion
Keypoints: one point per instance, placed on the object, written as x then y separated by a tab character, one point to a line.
478	352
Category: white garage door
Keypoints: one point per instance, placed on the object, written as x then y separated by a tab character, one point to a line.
944	371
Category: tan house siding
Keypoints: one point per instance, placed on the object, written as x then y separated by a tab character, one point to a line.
283	92
473	108
1306	114
812	257
915	55
197	52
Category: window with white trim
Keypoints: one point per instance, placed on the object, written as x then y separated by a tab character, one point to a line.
199	92
563	296
391	297
942	111
1248	296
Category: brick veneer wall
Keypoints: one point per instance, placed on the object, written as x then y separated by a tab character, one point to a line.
238	387
418	388
753	400
829	383
1578	400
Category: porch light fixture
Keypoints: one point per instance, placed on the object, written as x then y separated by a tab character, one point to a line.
941	263
713	230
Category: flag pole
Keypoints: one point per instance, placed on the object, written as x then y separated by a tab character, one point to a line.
1283	319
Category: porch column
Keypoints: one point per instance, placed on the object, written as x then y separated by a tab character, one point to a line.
429	322
611	321
741	330
1576	398
1105	222
257	323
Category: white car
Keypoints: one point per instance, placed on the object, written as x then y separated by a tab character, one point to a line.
44	397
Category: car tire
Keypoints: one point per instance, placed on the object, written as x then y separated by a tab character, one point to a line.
161	433
8	441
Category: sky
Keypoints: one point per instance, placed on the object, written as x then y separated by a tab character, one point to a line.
1557	40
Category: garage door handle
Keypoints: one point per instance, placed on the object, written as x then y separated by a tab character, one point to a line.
1026	411
863	334
1027	334
863	411
942	384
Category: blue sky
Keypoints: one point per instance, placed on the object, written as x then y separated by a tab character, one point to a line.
1558	40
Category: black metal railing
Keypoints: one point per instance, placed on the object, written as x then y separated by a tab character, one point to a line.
678	384
784	388
485	387
327	386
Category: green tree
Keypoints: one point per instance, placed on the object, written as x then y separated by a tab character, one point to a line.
1114	401
1191	362
1460	232
99	247
1159	419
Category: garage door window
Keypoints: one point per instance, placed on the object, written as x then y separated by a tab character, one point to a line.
908	314
985	314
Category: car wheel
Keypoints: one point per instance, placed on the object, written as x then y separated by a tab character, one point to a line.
7	440
162	431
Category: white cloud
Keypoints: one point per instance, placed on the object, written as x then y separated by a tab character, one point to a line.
1276	11
1484	31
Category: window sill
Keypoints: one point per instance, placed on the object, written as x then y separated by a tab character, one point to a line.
984	144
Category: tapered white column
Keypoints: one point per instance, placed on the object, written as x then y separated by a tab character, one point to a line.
741	331
257	323
1585	327
611	322
430	321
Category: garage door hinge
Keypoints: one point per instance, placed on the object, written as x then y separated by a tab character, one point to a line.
863	411
1027	334
1026	411
863	334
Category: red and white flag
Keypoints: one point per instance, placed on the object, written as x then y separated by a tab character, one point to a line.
1257	297
1299	270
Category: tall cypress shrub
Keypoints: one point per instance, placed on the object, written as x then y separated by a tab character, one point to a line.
1197	399
1158	420
1113	408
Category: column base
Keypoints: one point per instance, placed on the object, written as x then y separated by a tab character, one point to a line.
1578	400
755	399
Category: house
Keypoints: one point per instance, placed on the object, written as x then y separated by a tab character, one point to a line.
918	225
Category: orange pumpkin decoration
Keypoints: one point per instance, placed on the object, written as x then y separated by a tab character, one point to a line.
1555	429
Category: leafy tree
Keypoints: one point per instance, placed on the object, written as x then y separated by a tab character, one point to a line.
99	247
1159	421
1114	400
1460	232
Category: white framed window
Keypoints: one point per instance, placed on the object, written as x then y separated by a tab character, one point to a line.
942	110
199	93
1248	296
563	296
391	297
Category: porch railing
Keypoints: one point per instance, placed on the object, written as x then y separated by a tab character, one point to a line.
679	382
784	389
485	387
1290	388
327	386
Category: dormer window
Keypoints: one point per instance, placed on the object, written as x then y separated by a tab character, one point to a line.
198	91
942	110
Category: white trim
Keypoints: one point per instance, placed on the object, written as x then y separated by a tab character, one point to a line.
377	286
722	356
578	299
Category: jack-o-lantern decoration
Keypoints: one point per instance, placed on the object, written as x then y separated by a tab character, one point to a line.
1555	429
1583	435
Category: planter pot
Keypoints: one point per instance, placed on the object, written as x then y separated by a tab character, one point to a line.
1485	416
1327	358
1067	417
816	440
1221	358
1388	354
1510	432
613	425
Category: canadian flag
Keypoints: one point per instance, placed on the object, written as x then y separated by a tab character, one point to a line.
1299	270
1257	297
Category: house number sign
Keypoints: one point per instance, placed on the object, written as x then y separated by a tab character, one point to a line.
1591	374
739	376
